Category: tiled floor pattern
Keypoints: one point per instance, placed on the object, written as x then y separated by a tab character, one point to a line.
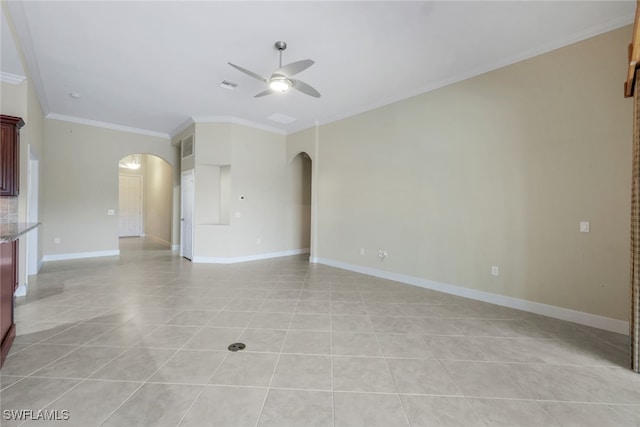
141	340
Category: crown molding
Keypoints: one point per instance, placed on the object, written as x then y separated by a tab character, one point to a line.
238	121
106	125
182	127
17	20
13	79
579	36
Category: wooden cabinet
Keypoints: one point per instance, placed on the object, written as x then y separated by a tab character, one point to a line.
8	285
10	155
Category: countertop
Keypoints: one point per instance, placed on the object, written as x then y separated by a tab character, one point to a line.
12	230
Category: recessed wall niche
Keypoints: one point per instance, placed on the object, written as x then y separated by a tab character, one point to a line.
214	198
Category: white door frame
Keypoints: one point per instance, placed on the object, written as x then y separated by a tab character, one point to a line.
33	188
183	204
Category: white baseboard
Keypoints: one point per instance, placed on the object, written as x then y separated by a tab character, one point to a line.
256	257
175	247
556	312
79	255
21	291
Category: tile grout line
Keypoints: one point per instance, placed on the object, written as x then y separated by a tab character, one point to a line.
208	383
273	374
547	413
463	394
393	380
217	367
81	380
402	299
333	388
146	381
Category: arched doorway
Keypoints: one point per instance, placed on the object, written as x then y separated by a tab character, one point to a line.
300	207
145	202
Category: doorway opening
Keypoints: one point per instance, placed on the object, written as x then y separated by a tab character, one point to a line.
145	195
299	211
34	261
187	188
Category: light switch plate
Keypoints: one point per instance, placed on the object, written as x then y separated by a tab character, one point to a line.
584	226
111	212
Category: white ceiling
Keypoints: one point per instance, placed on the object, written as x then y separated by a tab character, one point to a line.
154	65
11	65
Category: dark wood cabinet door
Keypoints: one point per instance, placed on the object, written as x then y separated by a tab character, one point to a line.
10	155
8	269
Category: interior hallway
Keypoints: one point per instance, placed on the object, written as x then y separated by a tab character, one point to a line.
142	339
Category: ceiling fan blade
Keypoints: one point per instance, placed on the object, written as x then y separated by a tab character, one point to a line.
305	88
295	67
264	93
249	73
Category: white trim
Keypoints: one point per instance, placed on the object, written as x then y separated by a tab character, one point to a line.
466	75
21	26
21	291
256	257
238	121
106	125
191	172
79	255
13	79
142	207
556	312
33	209
181	128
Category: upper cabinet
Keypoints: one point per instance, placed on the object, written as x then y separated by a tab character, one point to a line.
10	155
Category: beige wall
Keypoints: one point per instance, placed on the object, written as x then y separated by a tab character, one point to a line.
81	184
13	98
157	195
495	170
21	100
307	141
298	209
158	199
259	171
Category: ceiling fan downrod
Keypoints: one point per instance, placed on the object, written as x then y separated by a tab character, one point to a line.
280	45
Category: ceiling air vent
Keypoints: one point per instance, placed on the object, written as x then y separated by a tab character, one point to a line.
281	118
226	84
187	147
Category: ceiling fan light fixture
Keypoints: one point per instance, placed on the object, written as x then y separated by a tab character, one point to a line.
130	162
281	80
280	84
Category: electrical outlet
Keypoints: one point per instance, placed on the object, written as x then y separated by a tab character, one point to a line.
584	226
382	255
56	240
495	271
258	241
361	251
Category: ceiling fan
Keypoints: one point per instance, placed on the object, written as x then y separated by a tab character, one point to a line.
280	80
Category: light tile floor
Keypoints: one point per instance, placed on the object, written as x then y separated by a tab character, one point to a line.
141	340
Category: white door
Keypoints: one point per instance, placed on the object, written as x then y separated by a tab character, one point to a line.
186	247
130	205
